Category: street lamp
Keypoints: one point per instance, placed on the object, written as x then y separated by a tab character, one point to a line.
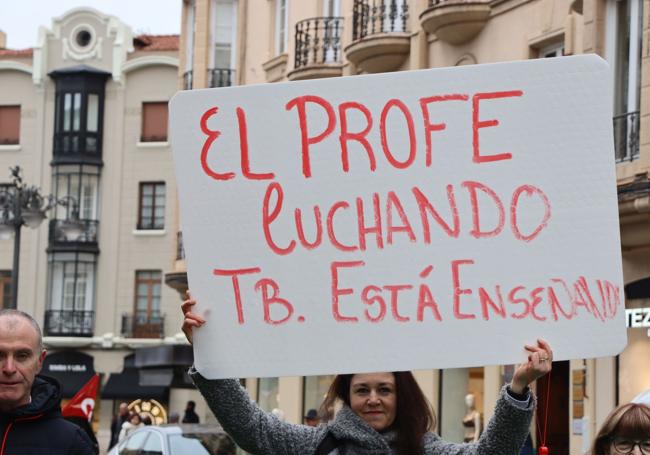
20	205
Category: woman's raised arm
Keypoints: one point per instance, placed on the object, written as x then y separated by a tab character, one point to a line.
252	429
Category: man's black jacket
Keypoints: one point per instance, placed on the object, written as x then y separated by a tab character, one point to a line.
38	427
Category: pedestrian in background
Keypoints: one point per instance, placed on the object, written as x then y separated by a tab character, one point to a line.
625	431
311	418
190	414
128	427
117	422
174	417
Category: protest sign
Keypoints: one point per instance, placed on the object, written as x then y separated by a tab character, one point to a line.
427	219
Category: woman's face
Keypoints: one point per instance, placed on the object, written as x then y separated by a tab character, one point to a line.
373	397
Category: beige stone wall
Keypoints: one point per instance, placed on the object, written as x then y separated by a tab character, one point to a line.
123	250
17	89
126	163
132	162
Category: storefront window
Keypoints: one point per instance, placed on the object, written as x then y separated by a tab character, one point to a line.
457	419
507	372
267	393
315	388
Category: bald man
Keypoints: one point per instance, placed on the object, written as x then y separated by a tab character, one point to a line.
30	405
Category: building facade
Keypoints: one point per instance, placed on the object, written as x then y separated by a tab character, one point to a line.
238	42
84	114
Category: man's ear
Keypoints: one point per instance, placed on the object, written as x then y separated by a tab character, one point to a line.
41	358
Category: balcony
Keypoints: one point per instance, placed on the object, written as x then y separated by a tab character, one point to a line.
221	77
142	325
85	241
318	48
626	137
187	80
177	279
380	38
69	323
455	21
77	147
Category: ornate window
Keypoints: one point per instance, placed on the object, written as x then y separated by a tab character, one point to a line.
79	113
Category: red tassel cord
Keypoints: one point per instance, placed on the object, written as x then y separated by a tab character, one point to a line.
543	450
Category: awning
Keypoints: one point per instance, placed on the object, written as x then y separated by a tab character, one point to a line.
126	385
164	356
165	365
72	369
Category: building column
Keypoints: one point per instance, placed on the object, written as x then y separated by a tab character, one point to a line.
201	44
491	389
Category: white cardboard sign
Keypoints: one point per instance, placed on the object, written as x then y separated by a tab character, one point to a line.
427	219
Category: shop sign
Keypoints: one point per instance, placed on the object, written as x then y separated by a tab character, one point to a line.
68	362
71	368
637	317
422	219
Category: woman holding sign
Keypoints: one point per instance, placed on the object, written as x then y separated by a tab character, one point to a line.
383	413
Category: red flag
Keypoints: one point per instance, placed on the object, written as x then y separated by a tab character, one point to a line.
83	403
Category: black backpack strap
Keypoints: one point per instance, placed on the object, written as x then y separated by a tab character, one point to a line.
328	444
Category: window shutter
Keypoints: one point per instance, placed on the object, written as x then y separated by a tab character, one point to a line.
9	125
154	122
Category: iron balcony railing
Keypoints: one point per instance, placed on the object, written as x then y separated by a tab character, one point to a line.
318	41
180	251
187	80
89	231
626	136
143	325
221	77
69	323
433	3
379	16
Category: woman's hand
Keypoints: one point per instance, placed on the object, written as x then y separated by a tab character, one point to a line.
191	320
539	363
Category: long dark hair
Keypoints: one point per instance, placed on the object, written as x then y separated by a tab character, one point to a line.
414	416
629	420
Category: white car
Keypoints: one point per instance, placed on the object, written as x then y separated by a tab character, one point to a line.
195	439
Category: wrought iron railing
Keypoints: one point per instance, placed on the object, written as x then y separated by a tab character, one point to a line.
187	80
318	41
221	77
69	323
379	16
143	325
433	3
89	231
626	136
180	251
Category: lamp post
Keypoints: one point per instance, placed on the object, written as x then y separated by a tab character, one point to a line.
20	205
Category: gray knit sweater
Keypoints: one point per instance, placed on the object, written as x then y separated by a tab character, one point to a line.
262	433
